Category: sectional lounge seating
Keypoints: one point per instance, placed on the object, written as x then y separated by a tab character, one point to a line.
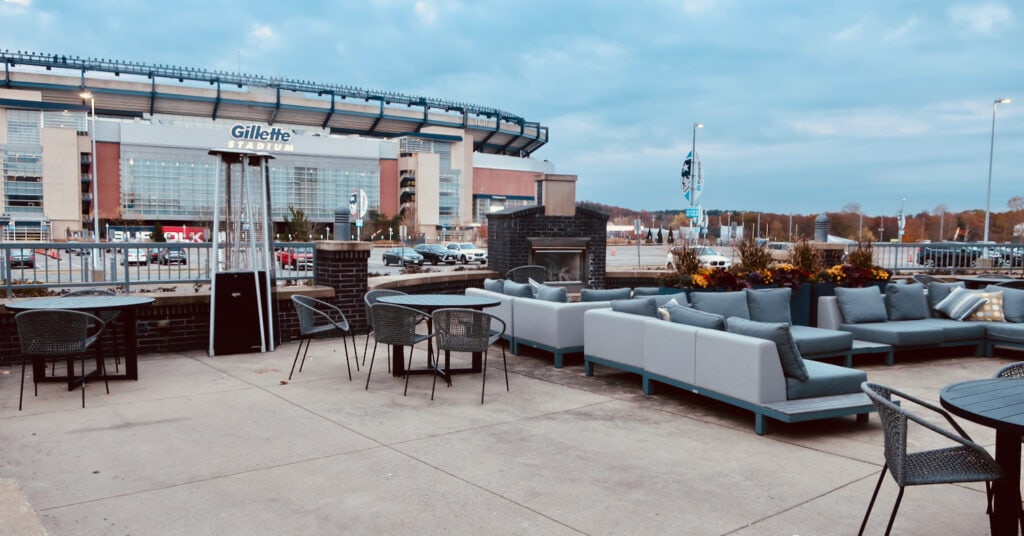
912	316
729	366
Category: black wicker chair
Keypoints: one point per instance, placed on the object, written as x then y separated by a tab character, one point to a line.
467	330
317	317
108	316
396	325
58	333
965	462
523	274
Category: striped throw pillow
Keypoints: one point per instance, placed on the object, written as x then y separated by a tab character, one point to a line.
961	304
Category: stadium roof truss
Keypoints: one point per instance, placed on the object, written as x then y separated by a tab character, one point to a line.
235	96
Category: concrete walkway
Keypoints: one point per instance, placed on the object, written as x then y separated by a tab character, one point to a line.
223	446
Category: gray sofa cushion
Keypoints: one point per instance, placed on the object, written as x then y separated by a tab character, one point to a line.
769	304
861	305
898	334
938	291
1005	332
817	341
960	304
518	290
639	306
1013	302
590	294
553	294
952	330
789	355
495	285
685	315
906	302
727	304
825	380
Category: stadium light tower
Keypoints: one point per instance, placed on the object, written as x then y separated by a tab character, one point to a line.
693	164
97	262
991	149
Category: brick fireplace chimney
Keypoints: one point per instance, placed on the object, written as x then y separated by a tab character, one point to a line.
557	194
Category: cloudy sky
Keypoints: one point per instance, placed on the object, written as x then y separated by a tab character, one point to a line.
807	105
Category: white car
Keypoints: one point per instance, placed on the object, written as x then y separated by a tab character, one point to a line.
467	252
135	256
712	258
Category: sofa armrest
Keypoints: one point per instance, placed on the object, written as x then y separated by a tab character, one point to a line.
670	350
503	310
616	337
738	366
553	324
829	315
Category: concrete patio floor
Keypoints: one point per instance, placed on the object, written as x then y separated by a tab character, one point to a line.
221	445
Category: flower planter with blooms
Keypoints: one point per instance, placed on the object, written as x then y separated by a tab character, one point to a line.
846	275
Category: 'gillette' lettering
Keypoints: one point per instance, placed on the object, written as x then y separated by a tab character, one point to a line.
258	133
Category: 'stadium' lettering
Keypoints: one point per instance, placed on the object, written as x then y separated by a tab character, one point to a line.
258	133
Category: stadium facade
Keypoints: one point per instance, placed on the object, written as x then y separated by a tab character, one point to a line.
443	165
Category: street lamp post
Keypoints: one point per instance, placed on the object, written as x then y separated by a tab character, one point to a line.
97	262
991	150
693	165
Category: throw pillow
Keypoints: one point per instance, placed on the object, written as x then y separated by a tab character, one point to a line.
789	356
662	307
769	304
494	285
552	294
726	304
1013	302
861	305
519	290
906	302
938	291
692	317
534	286
590	294
640	306
992	310
960	304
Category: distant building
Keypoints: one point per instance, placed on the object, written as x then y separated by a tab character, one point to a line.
444	164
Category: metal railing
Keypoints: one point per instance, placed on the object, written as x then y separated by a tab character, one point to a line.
53	266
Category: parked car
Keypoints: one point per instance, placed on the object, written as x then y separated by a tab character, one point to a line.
436	253
711	258
402	256
467	252
135	256
296	259
942	256
780	251
24	258
168	256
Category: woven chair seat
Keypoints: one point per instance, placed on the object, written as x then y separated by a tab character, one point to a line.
947	466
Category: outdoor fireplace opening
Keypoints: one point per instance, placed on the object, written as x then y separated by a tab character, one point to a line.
564	258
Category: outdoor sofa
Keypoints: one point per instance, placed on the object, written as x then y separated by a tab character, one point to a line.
755	365
912	316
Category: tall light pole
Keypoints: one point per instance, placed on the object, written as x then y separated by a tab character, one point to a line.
97	262
991	150
693	165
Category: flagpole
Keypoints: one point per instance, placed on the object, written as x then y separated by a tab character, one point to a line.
693	163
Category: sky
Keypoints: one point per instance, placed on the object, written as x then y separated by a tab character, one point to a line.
807	106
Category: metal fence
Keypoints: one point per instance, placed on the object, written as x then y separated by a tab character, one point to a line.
64	265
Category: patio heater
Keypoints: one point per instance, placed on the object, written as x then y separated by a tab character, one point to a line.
241	257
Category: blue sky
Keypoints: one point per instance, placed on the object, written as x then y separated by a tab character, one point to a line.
807	105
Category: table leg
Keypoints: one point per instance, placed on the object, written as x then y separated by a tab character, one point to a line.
1007	489
398	361
131	344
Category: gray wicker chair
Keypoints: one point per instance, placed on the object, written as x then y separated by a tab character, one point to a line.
965	462
317	317
108	316
369	299
396	325
58	333
523	274
1013	370
467	330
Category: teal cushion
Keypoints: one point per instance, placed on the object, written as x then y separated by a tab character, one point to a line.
519	290
553	294
938	291
861	305
494	285
906	301
1013	302
789	355
727	304
681	314
769	304
639	306
960	304
590	294
824	379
